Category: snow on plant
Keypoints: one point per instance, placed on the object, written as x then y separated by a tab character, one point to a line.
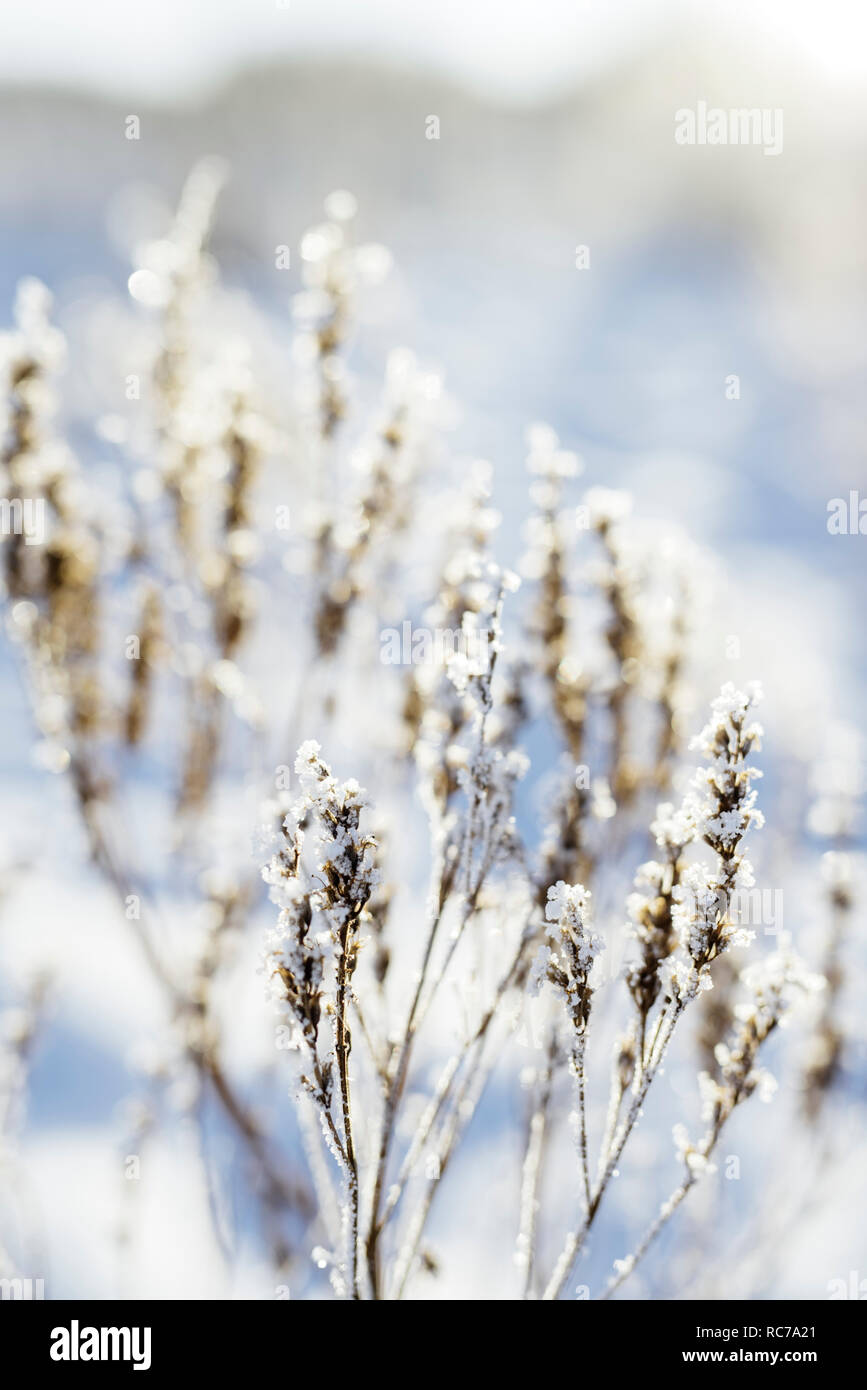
773	987
343	874
396	1002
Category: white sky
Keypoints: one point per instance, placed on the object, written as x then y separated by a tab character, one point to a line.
515	48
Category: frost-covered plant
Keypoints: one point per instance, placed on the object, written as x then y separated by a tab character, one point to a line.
774	986
570	952
20	1027
526	775
682	926
343	876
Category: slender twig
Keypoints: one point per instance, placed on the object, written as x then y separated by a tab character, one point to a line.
666	1212
342	1048
531	1172
579	1049
575	1239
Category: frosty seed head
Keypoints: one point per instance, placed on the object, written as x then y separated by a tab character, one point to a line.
571	948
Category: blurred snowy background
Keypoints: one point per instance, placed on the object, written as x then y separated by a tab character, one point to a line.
556	125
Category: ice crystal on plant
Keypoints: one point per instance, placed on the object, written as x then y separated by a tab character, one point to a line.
572	947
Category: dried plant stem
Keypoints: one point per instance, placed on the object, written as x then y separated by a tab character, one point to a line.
443	1090
22	1049
397	1073
615	1102
531	1172
382	1213
476	1073
342	1049
120	881
737	1081
764	1246
374	1051
468	910
667	739
623	638
278	1194
319	1093
206	721
394	1084
473	836
579	1049
210	1182
669	1207
320	1166
462	1112
575	1239
666	1212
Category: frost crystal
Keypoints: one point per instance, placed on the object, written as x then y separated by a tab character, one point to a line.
571	948
718	811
